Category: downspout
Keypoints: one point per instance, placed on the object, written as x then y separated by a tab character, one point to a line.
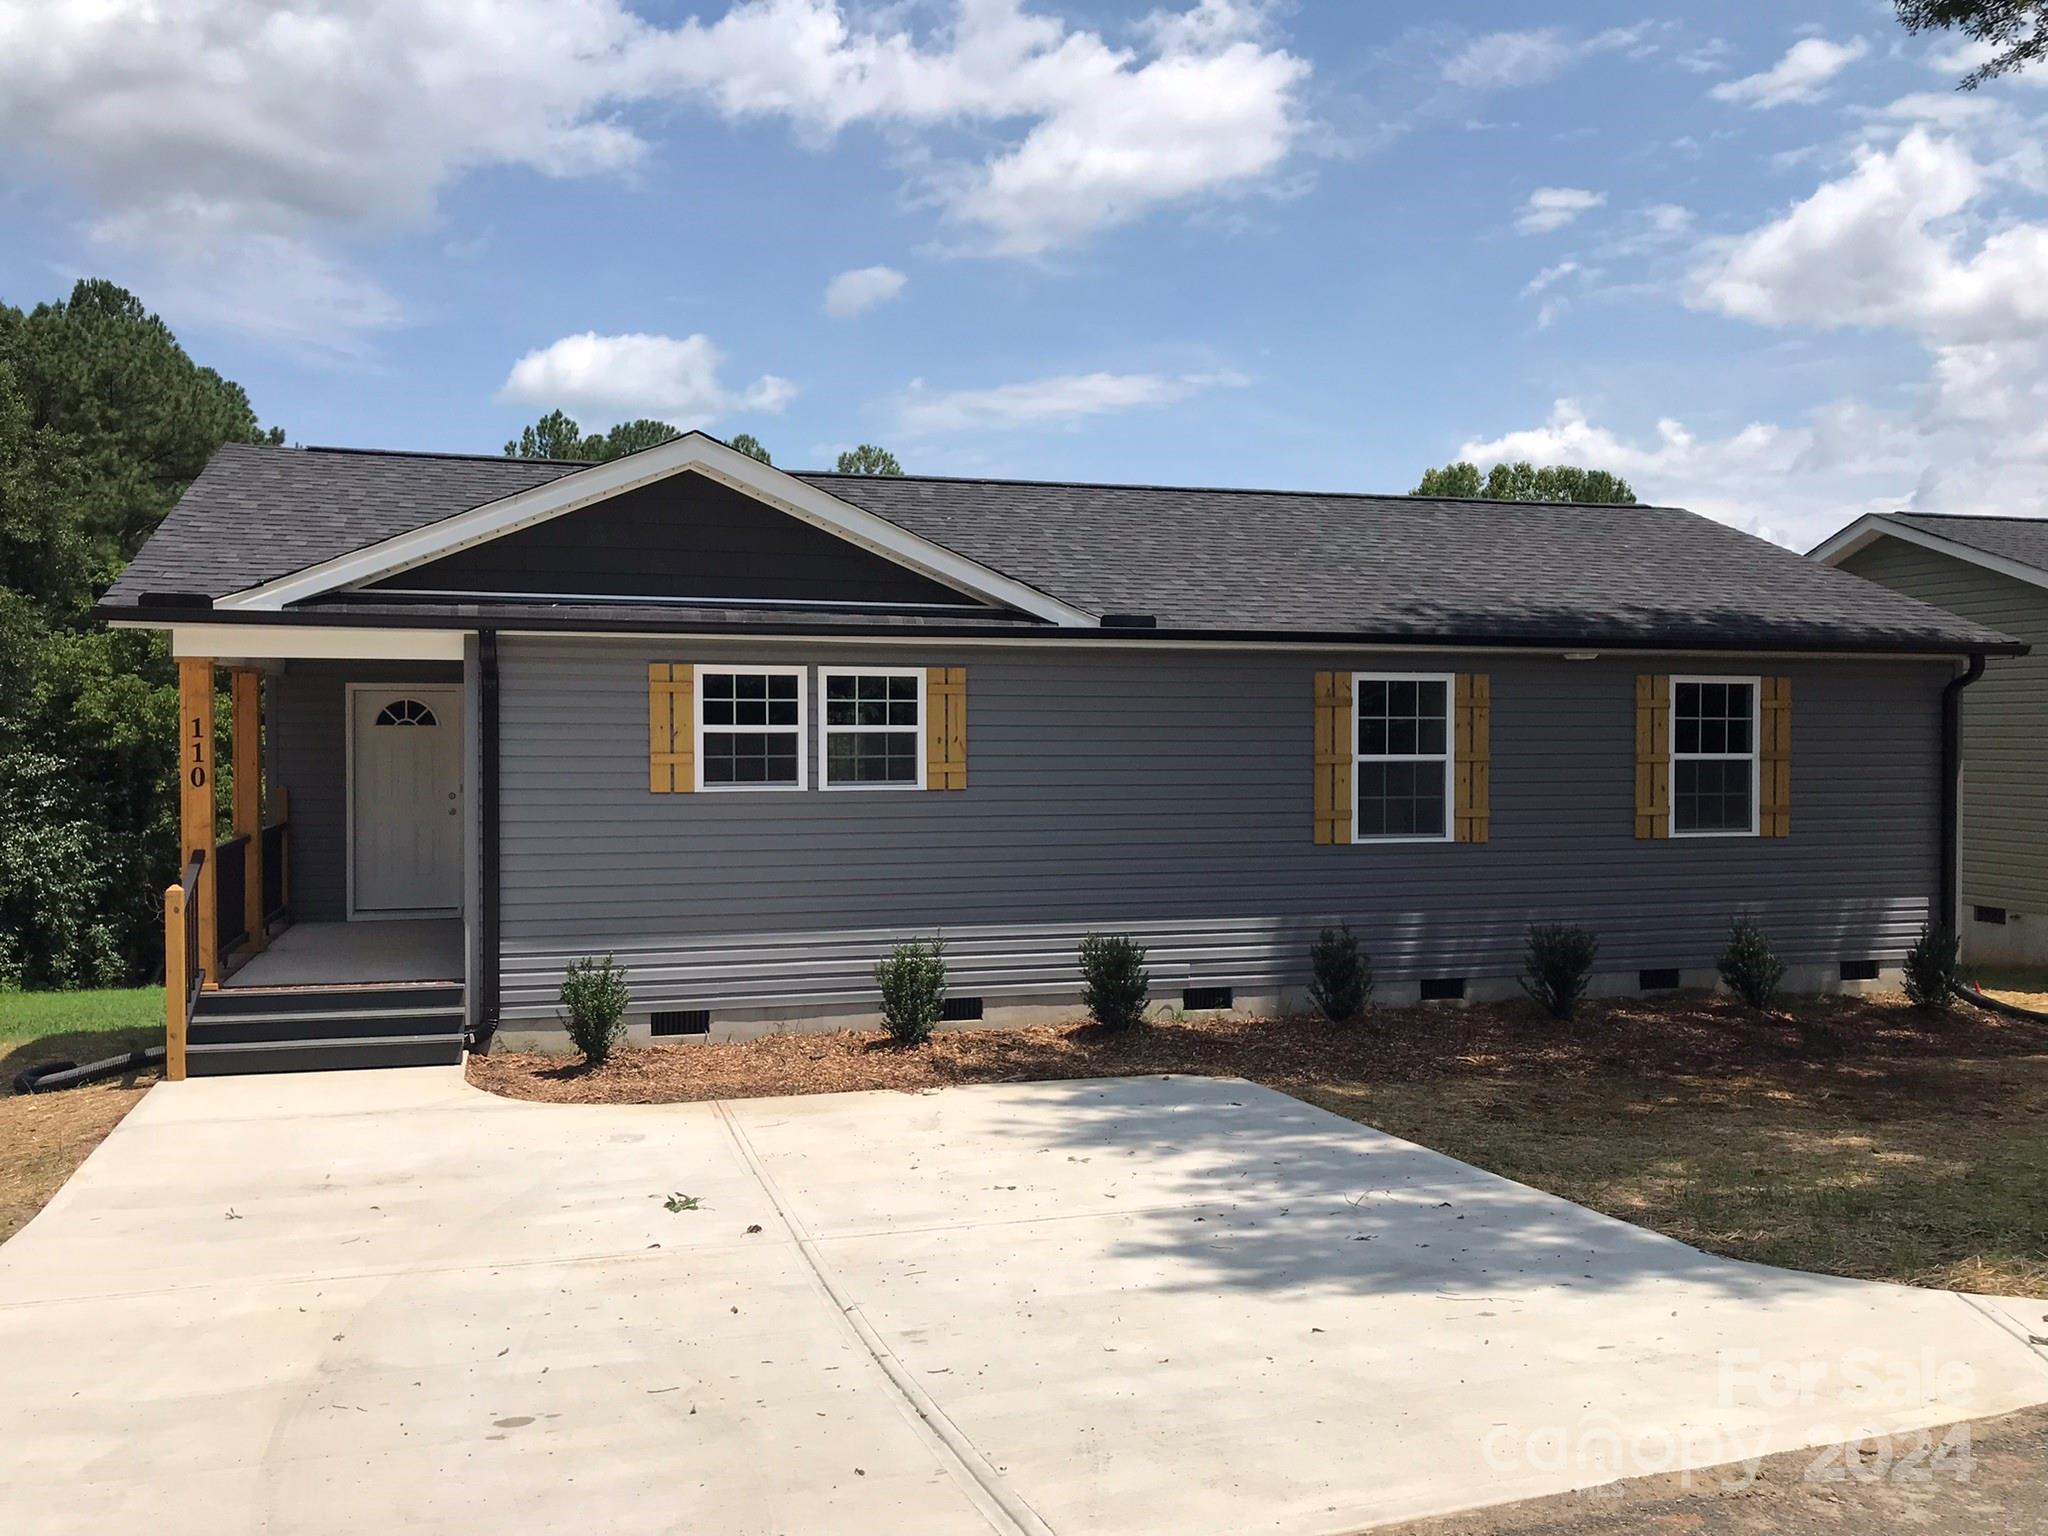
487	875
1947	914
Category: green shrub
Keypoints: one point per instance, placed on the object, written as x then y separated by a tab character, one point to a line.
1556	966
593	1009
1340	981
1117	982
913	983
1750	966
1933	971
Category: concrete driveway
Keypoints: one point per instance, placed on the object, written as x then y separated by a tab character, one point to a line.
377	1302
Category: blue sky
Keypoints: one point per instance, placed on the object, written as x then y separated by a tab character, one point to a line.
1763	261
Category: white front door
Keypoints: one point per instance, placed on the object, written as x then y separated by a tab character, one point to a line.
405	799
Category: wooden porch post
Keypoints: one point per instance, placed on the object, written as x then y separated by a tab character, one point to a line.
196	823
177	985
248	792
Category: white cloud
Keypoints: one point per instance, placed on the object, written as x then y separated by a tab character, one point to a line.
1808	65
1878	248
1761	477
1548	276
1551	208
1707	58
1502	59
1207	107
1057	401
1667	219
215	135
1911	239
336	120
1507	60
605	379
852	293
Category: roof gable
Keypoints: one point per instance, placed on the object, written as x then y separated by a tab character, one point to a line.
586	485
684	536
2012	546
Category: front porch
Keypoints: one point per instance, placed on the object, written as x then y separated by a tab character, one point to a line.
324	923
356	954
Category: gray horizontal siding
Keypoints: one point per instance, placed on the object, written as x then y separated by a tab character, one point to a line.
2004	840
308	725
1168	794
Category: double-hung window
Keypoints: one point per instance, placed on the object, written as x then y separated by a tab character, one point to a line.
1401	778
750	728
874	728
1713	756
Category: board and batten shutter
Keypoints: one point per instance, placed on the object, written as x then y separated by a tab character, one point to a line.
945	698
671	728
1474	756
1333	757
1774	771
1653	755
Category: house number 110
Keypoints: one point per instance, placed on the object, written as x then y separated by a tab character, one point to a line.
198	755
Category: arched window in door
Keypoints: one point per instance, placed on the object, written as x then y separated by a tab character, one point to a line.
406	712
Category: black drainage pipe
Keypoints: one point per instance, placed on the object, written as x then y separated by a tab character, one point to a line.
52	1075
1970	994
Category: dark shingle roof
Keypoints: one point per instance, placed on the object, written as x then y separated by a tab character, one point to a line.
255	514
2024	539
1241	562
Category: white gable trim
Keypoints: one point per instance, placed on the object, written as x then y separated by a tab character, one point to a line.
692	451
1872	526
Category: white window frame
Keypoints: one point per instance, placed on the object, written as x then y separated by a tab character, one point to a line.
827	730
801	730
1754	754
1447	757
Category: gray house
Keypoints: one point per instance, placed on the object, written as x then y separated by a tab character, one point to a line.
1993	570
745	729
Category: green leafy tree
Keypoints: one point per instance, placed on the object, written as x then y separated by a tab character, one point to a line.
630	437
1523	481
1458	481
554	436
104	420
867	459
558	436
2017	29
752	447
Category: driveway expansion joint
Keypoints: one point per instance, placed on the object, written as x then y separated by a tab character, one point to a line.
998	1503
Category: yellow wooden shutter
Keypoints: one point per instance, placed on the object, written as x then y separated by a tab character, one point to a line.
1653	755
671	728
1333	757
945	698
1474	751
1775	769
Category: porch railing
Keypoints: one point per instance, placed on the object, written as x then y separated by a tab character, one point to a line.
183	973
276	869
230	893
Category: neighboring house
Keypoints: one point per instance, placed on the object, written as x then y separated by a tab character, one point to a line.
1993	570
746	729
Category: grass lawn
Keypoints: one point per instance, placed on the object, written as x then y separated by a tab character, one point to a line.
43	1138
1851	1136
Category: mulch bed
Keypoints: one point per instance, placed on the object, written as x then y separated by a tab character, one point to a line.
1681	1036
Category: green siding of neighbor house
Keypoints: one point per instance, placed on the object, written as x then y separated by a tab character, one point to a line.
2004	850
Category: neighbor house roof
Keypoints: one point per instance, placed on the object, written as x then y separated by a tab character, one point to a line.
2013	546
2024	539
1211	562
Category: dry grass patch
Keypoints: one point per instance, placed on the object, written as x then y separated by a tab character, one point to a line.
44	1137
1851	1136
